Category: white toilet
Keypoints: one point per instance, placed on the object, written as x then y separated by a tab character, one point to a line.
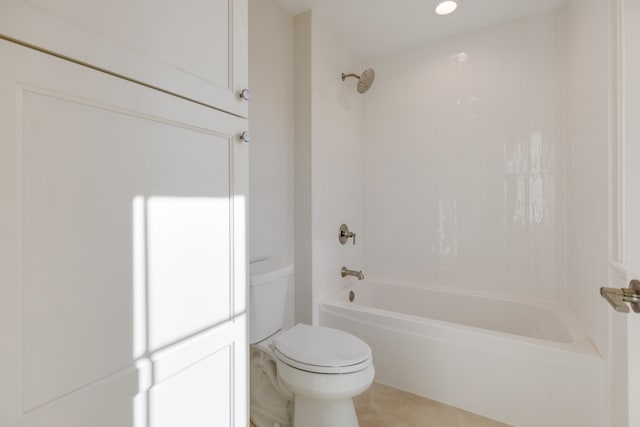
305	376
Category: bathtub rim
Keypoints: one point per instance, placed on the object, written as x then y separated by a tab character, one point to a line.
581	343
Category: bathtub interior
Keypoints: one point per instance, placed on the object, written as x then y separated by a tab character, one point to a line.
539	320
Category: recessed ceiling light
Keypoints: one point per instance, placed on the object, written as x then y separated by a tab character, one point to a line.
445	7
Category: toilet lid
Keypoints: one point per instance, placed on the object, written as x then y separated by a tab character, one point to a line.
321	349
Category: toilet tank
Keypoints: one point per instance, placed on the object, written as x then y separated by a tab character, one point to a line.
268	284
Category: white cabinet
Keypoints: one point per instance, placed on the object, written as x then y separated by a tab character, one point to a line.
123	186
122	250
196	49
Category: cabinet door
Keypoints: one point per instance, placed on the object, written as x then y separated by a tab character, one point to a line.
194	48
122	252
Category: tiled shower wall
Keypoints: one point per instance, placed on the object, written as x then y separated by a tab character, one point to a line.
464	158
589	134
328	169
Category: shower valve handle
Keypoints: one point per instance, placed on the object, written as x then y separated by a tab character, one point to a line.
345	234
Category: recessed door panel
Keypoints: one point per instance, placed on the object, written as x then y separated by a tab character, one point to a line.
84	167
199	396
194	48
188	260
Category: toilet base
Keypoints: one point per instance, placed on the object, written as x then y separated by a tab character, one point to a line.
324	413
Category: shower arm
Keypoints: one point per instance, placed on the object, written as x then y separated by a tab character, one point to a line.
344	76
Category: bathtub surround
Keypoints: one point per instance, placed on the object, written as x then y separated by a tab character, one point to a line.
465	162
589	180
458	170
329	172
477	154
589	139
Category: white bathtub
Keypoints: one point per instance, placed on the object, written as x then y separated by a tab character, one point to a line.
520	363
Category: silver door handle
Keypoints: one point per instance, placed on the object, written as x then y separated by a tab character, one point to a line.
245	94
245	136
619	297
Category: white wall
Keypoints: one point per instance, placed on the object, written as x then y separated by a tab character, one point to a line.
589	131
271	81
330	152
588	179
336	168
465	162
302	169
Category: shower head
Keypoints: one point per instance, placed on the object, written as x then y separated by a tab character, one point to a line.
365	80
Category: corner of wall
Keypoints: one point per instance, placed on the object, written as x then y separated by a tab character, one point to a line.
271	78
302	167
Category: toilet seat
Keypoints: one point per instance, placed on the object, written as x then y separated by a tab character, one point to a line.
322	369
322	350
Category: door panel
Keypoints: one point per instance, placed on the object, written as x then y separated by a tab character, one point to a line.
172	403
106	403
182	264
625	328
122	251
631	141
194	48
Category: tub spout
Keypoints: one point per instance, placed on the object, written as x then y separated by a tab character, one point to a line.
346	272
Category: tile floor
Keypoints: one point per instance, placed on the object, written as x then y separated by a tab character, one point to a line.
384	406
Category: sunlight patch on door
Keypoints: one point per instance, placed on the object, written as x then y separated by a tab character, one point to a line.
188	259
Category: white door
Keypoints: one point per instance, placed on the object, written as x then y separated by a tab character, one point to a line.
193	48
625	331
122	252
631	141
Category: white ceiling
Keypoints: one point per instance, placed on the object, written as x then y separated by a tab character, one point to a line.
373	28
